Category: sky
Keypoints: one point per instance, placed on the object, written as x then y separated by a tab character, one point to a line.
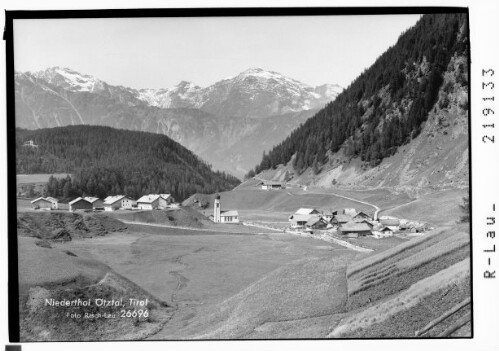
161	52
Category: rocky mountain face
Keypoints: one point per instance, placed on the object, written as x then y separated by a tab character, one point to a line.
229	124
438	158
407	129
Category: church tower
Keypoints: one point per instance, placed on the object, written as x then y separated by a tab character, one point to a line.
216	210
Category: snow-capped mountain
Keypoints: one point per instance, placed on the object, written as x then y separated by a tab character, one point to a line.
71	80
229	123
253	93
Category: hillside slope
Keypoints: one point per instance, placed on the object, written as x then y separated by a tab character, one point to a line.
403	122
106	161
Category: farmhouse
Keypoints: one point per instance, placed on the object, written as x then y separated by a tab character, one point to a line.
316	222
307	211
112	203
340	219
48	203
79	204
391	223
220	216
272	186
300	221
155	201
97	204
359	217
354	230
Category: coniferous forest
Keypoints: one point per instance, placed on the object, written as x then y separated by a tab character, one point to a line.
344	122
104	161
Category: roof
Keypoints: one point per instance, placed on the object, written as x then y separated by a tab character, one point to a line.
390	222
40	199
343	218
305	211
355	227
302	217
149	198
51	199
272	183
313	220
165	196
232	213
77	200
112	199
329	213
384	229
91	199
362	214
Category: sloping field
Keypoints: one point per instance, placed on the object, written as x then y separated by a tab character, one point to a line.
398	268
281	200
441	208
50	273
411	310
177	217
302	290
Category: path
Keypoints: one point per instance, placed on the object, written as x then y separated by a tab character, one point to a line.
193	229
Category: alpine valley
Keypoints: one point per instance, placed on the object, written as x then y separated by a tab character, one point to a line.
229	124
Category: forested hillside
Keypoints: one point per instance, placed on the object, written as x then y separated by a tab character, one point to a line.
386	105
106	161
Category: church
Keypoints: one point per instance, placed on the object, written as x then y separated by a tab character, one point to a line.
220	216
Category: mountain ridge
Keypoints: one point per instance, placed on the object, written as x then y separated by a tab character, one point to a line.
61	96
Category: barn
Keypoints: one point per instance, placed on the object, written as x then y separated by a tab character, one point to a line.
43	203
97	204
79	204
165	200
272	186
354	230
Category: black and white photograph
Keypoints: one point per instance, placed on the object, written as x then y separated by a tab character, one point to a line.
271	174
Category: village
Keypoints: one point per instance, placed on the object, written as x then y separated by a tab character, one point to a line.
110	203
340	223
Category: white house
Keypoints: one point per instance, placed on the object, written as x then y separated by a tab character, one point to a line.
112	203
148	202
